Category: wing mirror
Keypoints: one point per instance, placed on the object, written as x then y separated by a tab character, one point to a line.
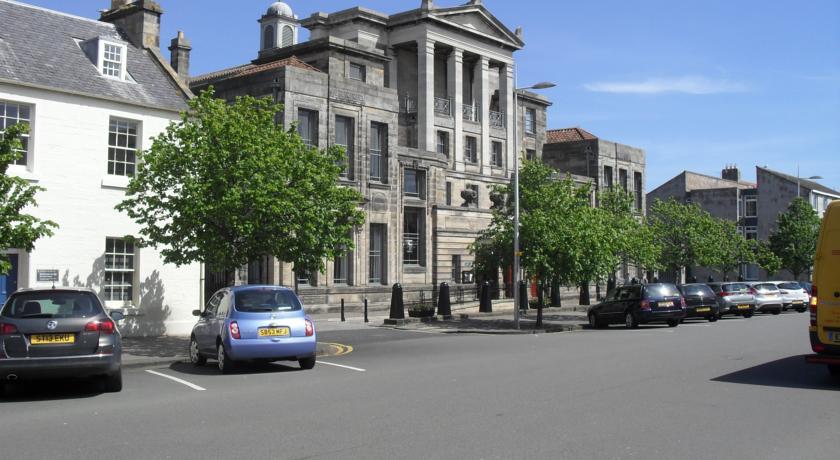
196	312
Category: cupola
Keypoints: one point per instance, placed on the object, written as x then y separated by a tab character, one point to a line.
278	27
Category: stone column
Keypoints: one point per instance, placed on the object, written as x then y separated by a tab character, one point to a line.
392	67
426	94
484	108
455	73
506	104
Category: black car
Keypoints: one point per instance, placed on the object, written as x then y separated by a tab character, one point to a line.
58	333
700	301
638	304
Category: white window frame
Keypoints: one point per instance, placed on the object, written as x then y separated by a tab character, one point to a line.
747	202
121	270
530	121
138	125
123	54
497	156
27	152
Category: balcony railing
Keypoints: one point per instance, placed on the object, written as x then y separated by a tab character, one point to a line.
472	112
498	119
408	104
443	106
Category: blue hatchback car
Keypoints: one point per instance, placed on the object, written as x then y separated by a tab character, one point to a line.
253	323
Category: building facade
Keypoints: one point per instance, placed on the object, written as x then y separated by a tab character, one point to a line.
423	103
93	94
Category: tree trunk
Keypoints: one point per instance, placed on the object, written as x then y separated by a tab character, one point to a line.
555	293
584	293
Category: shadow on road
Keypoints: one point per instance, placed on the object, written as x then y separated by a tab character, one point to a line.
51	390
156	347
791	372
244	368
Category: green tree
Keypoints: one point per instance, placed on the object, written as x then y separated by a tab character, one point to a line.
795	239
730	248
685	234
630	237
18	229
226	186
765	257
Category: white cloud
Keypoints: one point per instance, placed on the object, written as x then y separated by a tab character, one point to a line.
687	85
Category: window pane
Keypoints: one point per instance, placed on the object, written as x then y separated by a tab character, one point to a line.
122	147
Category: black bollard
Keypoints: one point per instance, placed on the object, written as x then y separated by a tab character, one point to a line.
444	306
485	304
342	311
523	295
584	294
555	294
397	305
540	302
366	316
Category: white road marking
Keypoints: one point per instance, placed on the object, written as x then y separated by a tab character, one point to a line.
176	379
342	365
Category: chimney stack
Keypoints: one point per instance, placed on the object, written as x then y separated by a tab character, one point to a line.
731	172
427	5
179	56
139	20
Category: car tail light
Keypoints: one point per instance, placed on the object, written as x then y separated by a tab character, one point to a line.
234	330
645	305
103	327
723	293
310	329
7	329
753	291
818	347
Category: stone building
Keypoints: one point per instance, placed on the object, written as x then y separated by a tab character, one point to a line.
423	102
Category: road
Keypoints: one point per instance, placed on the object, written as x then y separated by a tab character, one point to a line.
735	389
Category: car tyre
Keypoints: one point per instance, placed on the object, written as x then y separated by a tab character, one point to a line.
307	363
713	318
196	358
226	365
748	315
776	311
630	321
113	383
801	310
595	322
673	322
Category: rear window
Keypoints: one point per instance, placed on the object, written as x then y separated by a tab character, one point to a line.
266	300
766	287
697	289
661	290
735	287
52	304
790	286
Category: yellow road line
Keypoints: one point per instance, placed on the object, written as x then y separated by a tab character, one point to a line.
334	349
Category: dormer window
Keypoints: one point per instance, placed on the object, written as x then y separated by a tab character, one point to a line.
112	60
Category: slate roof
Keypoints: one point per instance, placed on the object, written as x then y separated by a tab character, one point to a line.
40	47
556	136
805	183
249	69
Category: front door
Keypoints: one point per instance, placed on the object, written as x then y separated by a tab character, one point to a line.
9	282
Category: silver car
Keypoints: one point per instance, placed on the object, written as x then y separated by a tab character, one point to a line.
768	297
793	295
734	299
56	333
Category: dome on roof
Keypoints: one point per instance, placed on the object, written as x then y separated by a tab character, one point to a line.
280	9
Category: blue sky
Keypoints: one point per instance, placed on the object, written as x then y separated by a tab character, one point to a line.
697	84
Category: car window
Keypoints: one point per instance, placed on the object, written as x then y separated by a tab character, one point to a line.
766	287
696	289
790	286
52	304
224	306
636	292
735	287
715	287
612	295
213	304
661	290
624	294
266	300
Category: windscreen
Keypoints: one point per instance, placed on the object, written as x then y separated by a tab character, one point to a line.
265	300
792	286
52	304
735	287
697	289
766	287
661	290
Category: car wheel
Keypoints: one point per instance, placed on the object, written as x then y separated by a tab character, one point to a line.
196	358
834	370
748	315
777	311
713	318
594	322
801	310
226	365
307	363
673	322
630	321
113	382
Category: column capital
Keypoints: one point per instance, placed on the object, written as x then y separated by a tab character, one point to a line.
428	43
485	62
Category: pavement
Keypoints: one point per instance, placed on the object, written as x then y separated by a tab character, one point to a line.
466	319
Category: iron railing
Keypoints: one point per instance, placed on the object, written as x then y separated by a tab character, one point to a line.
472	112
497	119
408	104
443	106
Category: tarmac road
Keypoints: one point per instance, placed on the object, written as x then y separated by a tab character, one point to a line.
734	389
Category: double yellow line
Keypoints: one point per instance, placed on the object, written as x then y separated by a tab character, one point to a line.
333	349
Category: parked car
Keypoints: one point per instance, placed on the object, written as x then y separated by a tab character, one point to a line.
56	333
253	323
700	301
794	295
768	297
733	299
639	304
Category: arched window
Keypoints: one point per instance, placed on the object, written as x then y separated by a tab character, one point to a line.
288	36
268	37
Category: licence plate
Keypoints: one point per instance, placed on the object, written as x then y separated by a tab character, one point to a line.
797	302
273	332
703	310
52	339
833	336
743	307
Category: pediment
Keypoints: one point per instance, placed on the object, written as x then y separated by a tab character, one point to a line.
480	22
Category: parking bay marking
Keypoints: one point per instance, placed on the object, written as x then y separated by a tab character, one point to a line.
176	379
342	366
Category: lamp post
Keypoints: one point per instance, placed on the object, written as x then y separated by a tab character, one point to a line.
797	180
542	85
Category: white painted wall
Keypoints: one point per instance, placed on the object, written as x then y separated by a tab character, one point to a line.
68	157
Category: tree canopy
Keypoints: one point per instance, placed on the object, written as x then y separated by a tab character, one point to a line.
685	233
226	186
729	248
795	239
18	230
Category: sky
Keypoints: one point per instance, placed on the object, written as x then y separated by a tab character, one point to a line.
697	84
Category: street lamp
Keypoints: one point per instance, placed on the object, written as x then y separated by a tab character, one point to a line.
541	85
798	178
